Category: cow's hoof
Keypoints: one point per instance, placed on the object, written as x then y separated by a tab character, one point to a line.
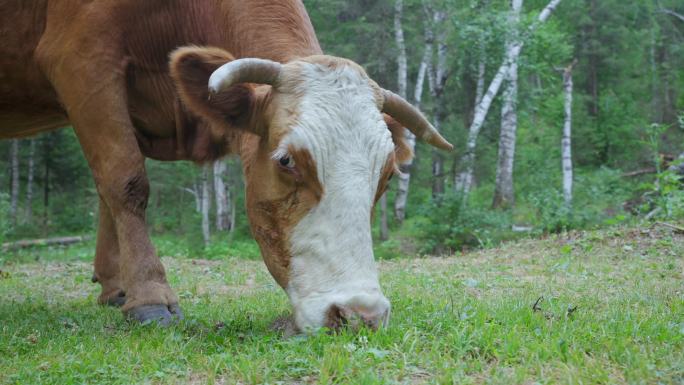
117	300
160	314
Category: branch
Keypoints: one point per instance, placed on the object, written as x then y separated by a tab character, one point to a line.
649	170
672	13
43	242
676	229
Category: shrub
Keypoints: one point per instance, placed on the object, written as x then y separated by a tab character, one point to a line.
4	217
446	225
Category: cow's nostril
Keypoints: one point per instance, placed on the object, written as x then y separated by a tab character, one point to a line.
340	316
337	317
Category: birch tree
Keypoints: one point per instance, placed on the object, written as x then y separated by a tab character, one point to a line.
404	177
401	90
566	148
465	177
504	193
222	197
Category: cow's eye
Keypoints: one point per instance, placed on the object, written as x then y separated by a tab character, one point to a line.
287	162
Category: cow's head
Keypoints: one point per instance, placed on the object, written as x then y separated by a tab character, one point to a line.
320	155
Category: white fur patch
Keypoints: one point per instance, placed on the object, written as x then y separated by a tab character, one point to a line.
332	257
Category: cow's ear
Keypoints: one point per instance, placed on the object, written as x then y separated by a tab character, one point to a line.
236	107
402	150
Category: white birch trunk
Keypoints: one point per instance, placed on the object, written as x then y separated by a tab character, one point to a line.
504	194
401	90
221	196
205	199
404	177
402	65
402	75
29	185
465	177
566	143
14	187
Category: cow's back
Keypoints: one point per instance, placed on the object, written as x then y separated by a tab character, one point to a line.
27	101
147	31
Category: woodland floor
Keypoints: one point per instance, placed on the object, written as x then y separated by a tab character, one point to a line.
611	312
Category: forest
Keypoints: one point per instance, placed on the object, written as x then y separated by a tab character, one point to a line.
564	114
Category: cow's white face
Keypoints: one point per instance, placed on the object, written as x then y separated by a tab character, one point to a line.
321	157
332	273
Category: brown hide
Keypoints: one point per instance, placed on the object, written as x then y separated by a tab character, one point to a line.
140	35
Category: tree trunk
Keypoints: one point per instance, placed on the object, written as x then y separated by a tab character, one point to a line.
461	184
402	64
566	149
437	76
401	90
205	204
404	178
465	177
47	158
504	193
29	185
14	187
222	197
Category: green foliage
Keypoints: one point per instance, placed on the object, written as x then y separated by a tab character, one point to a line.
664	196
447	225
4	219
221	246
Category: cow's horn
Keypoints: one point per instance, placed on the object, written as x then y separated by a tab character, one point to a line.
409	117
244	71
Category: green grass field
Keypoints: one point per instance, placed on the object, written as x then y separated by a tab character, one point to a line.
612	312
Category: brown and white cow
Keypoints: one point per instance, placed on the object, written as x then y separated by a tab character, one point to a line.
316	149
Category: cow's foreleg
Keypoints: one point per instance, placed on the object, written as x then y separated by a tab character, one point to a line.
93	92
107	271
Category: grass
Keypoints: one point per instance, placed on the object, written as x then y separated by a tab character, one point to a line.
467	319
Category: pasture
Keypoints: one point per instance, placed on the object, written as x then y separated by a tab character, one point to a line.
576	308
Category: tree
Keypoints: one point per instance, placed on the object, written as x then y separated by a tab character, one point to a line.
404	177
465	177
436	33
504	193
222	195
566	148
29	183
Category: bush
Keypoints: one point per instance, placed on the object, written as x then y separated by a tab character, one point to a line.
666	196
553	215
446	225
4	217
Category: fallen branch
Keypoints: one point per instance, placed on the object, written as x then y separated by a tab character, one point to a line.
677	229
44	242
648	170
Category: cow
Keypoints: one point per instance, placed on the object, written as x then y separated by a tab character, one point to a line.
198	80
